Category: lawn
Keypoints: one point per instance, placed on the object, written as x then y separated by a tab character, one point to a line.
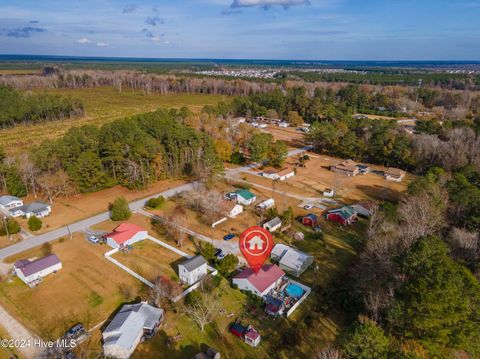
151	260
7	353
102	105
87	289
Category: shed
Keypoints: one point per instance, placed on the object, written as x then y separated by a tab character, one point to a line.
273	224
310	220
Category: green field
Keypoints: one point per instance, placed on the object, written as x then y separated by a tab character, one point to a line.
102	105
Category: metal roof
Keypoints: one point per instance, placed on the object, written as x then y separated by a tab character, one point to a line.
193	263
4	200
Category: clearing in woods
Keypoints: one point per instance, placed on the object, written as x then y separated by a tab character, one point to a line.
102	105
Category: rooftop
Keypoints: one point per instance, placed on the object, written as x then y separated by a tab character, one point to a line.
266	276
4	200
348	165
124	232
245	193
31	267
193	263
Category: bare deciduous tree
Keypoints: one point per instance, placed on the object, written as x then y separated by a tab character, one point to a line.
202	311
164	291
329	352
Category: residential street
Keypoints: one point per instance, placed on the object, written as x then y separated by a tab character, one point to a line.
35	241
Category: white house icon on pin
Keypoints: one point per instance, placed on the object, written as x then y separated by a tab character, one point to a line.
255	242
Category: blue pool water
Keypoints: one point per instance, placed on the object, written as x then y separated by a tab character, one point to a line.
294	290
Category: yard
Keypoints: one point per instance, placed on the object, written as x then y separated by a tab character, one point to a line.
87	289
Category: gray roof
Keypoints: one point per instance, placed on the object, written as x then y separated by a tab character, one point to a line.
4	200
193	263
129	322
29	268
34	207
274	222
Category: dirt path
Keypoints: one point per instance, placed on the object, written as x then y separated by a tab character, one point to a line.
17	331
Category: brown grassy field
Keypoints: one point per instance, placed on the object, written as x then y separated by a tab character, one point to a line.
87	289
102	105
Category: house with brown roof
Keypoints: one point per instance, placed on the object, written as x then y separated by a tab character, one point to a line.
347	167
394	174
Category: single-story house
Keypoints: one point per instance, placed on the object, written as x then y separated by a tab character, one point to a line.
291	260
268	203
310	220
244	197
231	208
281	175
38	209
283	124
273	224
32	271
344	215
128	326
260	283
8	202
347	167
192	270
329	192
125	234
394	174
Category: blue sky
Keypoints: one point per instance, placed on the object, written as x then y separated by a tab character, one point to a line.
256	29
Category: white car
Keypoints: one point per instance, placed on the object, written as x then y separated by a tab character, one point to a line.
93	239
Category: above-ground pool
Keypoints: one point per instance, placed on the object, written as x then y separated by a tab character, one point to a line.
294	290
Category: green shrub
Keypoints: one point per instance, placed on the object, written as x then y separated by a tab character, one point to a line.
119	210
34	223
155	203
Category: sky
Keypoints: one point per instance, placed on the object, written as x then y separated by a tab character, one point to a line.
244	29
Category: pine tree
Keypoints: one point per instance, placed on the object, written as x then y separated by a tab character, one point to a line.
15	185
34	223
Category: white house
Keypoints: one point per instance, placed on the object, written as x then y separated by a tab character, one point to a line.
9	202
394	174
244	197
125	234
279	175
38	209
232	209
32	271
329	192
265	204
130	324
273	224
291	260
260	283
283	124
192	270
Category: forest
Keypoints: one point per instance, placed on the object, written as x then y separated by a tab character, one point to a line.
132	152
24	108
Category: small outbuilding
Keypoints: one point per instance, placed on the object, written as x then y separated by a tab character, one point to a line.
273	224
310	220
291	260
192	270
244	197
268	203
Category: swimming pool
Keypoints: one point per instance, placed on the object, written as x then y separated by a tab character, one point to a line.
294	290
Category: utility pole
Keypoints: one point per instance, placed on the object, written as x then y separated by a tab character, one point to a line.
6	227
69	233
315	275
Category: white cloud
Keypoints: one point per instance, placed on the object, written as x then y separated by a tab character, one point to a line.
268	3
83	41
102	44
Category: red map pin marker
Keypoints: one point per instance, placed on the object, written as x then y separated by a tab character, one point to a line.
256	244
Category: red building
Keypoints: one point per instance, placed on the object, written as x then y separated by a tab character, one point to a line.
310	220
344	215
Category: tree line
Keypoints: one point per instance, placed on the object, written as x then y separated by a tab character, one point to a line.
17	107
132	152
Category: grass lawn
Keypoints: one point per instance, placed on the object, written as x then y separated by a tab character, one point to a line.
151	260
87	289
102	105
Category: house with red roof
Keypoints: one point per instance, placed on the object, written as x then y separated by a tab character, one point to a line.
260	283
125	234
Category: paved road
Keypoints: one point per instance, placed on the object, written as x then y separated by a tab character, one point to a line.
35	241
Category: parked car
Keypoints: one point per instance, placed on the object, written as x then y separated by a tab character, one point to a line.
93	239
220	256
317	229
228	237
308	207
75	331
218	251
